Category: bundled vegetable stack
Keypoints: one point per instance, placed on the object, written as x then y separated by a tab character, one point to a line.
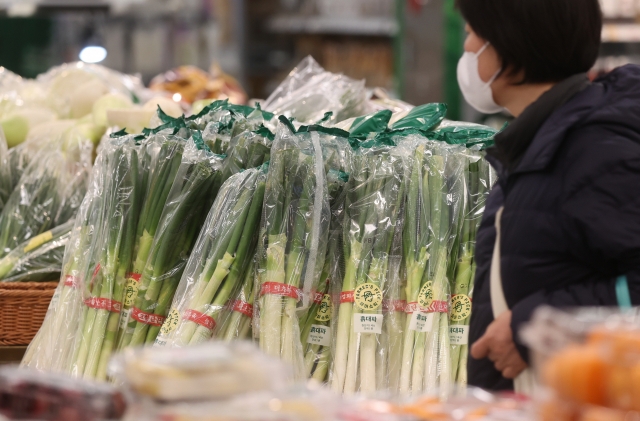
293	239
219	264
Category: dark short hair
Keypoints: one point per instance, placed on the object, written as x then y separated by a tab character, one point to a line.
549	40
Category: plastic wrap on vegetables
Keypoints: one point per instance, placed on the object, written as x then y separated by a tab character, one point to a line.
6	184
219	262
160	158
184	212
374	200
435	198
479	179
54	346
462	133
48	194
206	372
293	240
103	295
38	259
309	92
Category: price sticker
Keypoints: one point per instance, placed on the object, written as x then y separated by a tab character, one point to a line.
319	335
459	335
367	323
421	322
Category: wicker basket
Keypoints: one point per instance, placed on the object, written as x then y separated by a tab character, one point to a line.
22	309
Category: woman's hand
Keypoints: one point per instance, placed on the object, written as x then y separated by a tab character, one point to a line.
497	345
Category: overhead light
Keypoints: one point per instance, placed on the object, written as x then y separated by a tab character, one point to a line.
93	54
177	97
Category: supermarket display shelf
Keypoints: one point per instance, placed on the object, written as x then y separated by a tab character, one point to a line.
621	32
334	25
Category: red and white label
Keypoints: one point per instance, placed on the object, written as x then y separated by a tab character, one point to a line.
394	305
147	318
435	307
135	276
346	297
103	304
317	297
243	307
71	281
276	288
200	318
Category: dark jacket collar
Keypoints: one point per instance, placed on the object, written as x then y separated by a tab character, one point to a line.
515	149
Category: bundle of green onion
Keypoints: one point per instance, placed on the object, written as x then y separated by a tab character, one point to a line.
218	263
39	258
293	239
374	199
48	194
435	196
480	177
183	215
238	313
120	203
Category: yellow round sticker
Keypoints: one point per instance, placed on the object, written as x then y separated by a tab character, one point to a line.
324	312
170	322
368	296
130	292
460	307
425	296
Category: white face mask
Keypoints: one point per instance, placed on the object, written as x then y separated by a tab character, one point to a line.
475	91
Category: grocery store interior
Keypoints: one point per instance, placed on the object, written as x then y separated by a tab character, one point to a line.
270	210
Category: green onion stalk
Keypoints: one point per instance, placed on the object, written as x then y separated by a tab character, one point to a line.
6	181
161	157
294	231
374	199
185	211
118	234
219	261
479	180
39	258
237	323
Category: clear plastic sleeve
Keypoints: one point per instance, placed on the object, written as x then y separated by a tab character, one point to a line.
209	371
375	194
6	181
32	395
188	202
38	259
293	240
216	268
48	193
309	91
479	178
54	347
103	293
238	314
435	199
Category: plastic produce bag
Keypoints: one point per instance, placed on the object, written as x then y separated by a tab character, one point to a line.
209	371
309	91
38	259
293	240
479	178
218	264
185	210
48	193
435	199
31	395
374	201
103	295
53	348
462	133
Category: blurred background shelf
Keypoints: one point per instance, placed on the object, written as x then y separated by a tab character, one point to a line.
620	32
329	25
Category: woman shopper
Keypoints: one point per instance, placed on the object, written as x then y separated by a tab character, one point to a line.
562	225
